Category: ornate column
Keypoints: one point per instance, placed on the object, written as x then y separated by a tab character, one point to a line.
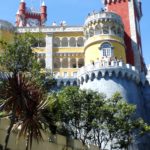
60	62
77	65
49	52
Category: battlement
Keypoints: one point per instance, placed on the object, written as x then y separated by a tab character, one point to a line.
48	142
117	69
103	16
50	29
66	82
103	23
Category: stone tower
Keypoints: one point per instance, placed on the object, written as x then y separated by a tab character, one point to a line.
106	68
113	57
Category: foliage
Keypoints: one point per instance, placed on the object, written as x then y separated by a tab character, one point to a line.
18	55
24	102
92	118
22	93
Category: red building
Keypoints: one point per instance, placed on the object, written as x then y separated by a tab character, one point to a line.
26	17
131	13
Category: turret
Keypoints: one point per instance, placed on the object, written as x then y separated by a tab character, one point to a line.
28	17
43	13
22	7
104	34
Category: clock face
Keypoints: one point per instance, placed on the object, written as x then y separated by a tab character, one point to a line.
32	22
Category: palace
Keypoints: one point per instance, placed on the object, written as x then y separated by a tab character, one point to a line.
104	54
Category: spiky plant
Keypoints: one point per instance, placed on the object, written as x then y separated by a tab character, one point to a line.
23	101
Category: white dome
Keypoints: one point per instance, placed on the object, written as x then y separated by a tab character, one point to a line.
5	25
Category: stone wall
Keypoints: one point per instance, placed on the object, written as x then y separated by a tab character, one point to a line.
53	142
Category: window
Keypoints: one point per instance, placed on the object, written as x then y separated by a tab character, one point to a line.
80	42
105	30
106	50
56	42
72	42
91	32
74	74
98	30
64	42
65	74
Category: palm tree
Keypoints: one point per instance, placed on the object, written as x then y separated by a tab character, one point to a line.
23	101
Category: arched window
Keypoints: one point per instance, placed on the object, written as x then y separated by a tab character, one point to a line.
42	63
86	35
56	63
73	63
80	42
56	42
98	30
42	42
81	62
106	50
119	32
72	42
105	30
64	42
113	30
91	32
65	63
41	59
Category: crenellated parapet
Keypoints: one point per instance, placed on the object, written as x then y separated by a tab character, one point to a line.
66	82
114	69
103	23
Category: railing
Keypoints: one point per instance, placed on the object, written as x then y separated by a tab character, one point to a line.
107	65
50	29
103	15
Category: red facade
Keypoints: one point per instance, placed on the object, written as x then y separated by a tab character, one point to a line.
123	9
27	17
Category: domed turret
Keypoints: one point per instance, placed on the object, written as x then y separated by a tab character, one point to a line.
5	25
104	34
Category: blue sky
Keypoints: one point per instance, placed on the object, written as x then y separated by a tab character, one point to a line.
74	12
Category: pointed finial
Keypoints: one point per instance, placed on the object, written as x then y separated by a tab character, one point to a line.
43	3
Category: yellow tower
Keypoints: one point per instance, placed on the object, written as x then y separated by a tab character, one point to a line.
104	34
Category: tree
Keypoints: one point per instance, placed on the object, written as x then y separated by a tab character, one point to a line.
92	118
18	56
23	97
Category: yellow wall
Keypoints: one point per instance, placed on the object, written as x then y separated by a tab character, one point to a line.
69	49
68	34
92	48
39	50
